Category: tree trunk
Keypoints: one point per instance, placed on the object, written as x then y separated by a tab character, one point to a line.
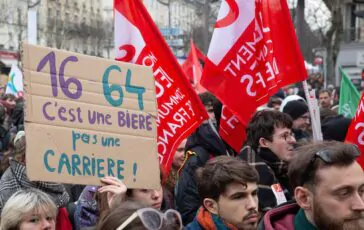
205	38
330	64
300	21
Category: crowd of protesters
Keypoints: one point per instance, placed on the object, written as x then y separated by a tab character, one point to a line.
280	179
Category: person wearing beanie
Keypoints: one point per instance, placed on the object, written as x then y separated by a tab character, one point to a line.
335	129
298	110
290	98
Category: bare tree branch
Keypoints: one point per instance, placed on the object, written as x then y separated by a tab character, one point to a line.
164	3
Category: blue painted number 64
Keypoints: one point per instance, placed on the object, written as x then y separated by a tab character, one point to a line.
108	89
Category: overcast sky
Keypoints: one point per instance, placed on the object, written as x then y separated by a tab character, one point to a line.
316	13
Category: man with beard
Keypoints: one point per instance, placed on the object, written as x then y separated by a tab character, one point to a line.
329	190
325	98
298	111
228	190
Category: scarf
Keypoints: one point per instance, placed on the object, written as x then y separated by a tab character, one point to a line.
271	171
279	167
15	179
210	221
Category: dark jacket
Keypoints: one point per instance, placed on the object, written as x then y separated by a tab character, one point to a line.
202	145
271	171
286	217
301	136
4	139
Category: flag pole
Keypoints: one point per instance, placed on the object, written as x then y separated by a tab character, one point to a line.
314	112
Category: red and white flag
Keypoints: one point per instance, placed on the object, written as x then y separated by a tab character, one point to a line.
231	130
355	134
253	53
139	41
192	68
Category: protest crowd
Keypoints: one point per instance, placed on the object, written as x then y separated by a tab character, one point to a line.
288	160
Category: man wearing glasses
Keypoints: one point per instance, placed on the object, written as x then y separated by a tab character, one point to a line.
298	110
329	190
269	148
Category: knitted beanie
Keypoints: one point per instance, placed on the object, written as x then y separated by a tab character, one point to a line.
295	109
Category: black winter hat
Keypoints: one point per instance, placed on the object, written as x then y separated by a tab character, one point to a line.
295	109
336	128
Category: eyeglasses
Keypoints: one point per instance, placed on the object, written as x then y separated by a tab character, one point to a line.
154	220
287	136
305	117
326	157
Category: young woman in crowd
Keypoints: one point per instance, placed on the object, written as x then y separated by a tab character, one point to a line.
29	209
133	215
95	202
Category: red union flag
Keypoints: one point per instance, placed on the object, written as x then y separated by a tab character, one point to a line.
253	52
139	41
192	68
231	129
355	133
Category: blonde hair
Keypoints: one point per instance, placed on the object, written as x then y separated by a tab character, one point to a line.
22	203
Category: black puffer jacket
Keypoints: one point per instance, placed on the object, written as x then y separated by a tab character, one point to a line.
202	145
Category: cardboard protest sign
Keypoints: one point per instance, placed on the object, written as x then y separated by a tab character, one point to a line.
88	117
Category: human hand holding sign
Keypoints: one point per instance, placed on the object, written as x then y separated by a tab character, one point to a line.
115	190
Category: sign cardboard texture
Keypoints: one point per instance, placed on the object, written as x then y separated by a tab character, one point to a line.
87	118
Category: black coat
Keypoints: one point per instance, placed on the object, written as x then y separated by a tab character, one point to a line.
4	139
202	145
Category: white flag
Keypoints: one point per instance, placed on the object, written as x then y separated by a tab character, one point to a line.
15	82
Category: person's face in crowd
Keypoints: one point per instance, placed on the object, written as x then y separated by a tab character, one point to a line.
302	122
210	111
238	206
149	197
276	106
338	198
11	102
290	91
325	100
179	156
38	221
281	144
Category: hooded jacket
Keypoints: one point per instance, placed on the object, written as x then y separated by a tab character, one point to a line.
201	146
288	216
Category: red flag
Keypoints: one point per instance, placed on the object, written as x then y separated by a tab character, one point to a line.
200	55
253	52
139	41
355	134
192	68
231	129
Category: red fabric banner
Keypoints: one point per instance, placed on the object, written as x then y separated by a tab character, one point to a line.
355	134
192	68
231	130
139	41
253	53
